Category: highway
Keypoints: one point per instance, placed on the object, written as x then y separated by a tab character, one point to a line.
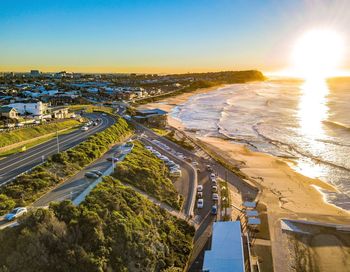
18	163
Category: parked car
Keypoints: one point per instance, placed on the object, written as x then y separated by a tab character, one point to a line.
214	209
209	168
91	175
200	194
194	163
175	173
212	175
114	159
200	203
84	128
200	188
215	197
97	172
15	213
214	188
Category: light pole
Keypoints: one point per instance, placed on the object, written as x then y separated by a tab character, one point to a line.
58	144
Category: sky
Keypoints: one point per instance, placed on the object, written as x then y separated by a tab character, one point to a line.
160	36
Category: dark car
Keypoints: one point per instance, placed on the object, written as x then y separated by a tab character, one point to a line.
99	173
214	209
113	159
91	175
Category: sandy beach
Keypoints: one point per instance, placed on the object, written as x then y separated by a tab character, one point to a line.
283	189
285	193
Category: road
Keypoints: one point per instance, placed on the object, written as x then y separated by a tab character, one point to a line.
18	163
71	188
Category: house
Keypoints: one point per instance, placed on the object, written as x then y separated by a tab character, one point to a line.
152	117
34	108
60	112
8	112
226	253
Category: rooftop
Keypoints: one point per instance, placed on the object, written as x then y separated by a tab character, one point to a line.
226	252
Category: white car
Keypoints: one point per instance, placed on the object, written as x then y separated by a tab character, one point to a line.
84	128
15	213
215	197
200	203
212	176
214	188
176	173
200	188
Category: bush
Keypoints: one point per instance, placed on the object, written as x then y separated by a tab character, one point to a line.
114	229
145	171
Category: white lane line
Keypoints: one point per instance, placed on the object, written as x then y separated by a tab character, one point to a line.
46	151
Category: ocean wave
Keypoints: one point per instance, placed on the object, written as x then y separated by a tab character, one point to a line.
294	149
336	124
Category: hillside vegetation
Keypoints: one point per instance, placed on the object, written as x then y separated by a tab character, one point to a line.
114	229
207	80
22	134
30	186
145	171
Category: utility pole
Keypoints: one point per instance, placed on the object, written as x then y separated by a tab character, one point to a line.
58	144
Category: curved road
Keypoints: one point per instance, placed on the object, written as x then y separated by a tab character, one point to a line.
13	165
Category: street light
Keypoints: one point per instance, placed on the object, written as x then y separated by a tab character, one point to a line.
58	144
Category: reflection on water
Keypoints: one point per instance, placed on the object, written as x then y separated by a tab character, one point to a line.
312	108
312	111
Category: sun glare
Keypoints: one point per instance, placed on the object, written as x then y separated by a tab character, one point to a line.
317	54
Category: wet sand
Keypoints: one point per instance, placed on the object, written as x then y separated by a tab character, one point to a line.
286	193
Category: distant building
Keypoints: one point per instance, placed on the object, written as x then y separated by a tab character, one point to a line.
35	73
226	252
153	117
36	108
8	112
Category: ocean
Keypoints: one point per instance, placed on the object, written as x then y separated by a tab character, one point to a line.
307	122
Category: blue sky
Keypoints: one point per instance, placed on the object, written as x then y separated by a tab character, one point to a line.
158	36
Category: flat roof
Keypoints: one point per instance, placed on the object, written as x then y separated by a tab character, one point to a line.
249	204
152	111
226	252
254	221
251	213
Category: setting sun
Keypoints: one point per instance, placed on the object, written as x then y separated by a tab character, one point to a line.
318	54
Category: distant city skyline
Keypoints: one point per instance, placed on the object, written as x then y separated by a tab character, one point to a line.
161	36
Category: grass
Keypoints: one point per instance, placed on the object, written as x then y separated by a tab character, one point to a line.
33	143
160	132
90	108
145	171
22	134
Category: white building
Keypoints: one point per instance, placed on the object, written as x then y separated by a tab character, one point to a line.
37	108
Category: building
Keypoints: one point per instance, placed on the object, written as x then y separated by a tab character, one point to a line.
226	252
153	117
8	112
60	112
35	73
35	108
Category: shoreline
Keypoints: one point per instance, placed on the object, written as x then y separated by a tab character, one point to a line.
283	189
